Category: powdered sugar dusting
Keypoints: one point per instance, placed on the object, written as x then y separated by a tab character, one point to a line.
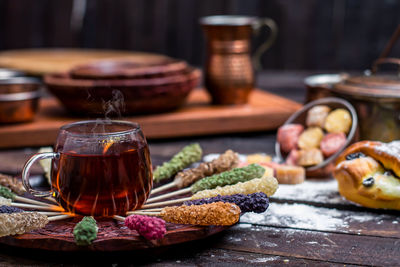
298	216
304	216
323	191
392	148
264	259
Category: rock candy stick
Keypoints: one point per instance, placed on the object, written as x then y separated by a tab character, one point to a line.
149	227
188	155
19	223
85	232
218	213
5	201
225	178
266	184
5	192
16	185
9	209
224	162
256	202
13	183
229	177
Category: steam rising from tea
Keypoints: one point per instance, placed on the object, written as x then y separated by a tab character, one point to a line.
104	166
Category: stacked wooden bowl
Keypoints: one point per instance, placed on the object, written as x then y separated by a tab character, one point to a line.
124	86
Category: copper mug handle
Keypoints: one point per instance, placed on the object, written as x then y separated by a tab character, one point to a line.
273	29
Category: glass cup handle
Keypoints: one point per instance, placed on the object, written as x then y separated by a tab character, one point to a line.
273	32
26	173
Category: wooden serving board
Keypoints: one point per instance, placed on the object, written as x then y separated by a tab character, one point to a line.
265	111
112	236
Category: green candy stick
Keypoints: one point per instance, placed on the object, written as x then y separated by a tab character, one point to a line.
85	231
229	177
7	193
188	155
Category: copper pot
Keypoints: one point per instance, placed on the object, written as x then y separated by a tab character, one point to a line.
320	85
229	73
376	98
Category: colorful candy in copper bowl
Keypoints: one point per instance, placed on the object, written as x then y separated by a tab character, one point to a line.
315	135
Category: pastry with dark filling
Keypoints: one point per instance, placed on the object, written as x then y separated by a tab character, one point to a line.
368	174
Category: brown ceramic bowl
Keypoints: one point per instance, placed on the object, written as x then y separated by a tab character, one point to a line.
118	69
325	168
19	98
141	96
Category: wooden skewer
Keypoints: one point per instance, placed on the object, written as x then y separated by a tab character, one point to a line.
168	195
119	218
163	188
52	213
31	201
146	213
60	217
52	200
155	209
138	212
37	207
164	203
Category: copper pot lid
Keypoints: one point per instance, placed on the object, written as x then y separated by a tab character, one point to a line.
372	84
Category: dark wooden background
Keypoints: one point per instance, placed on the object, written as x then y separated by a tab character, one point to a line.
323	35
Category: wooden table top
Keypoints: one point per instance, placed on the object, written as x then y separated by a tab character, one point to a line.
306	224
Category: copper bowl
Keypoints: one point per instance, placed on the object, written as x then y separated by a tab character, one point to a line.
325	168
10	73
320	85
19	98
141	96
119	69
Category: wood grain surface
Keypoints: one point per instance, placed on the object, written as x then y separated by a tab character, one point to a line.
306	225
264	111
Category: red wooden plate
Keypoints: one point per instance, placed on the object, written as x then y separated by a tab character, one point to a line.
112	236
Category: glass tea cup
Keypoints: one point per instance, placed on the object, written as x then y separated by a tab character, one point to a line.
99	168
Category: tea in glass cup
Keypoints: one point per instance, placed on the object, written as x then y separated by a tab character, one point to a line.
99	168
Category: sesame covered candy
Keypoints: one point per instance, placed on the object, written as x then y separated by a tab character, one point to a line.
224	162
85	231
229	177
150	228
266	184
19	223
256	202
218	213
5	201
13	183
188	155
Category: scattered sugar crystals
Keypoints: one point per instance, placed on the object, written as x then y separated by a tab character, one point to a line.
302	216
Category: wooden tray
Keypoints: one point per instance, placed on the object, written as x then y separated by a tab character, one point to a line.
112	236
264	111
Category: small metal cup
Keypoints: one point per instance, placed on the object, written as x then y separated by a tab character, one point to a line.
229	72
19	99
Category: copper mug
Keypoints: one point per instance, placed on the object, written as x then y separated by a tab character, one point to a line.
229	72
